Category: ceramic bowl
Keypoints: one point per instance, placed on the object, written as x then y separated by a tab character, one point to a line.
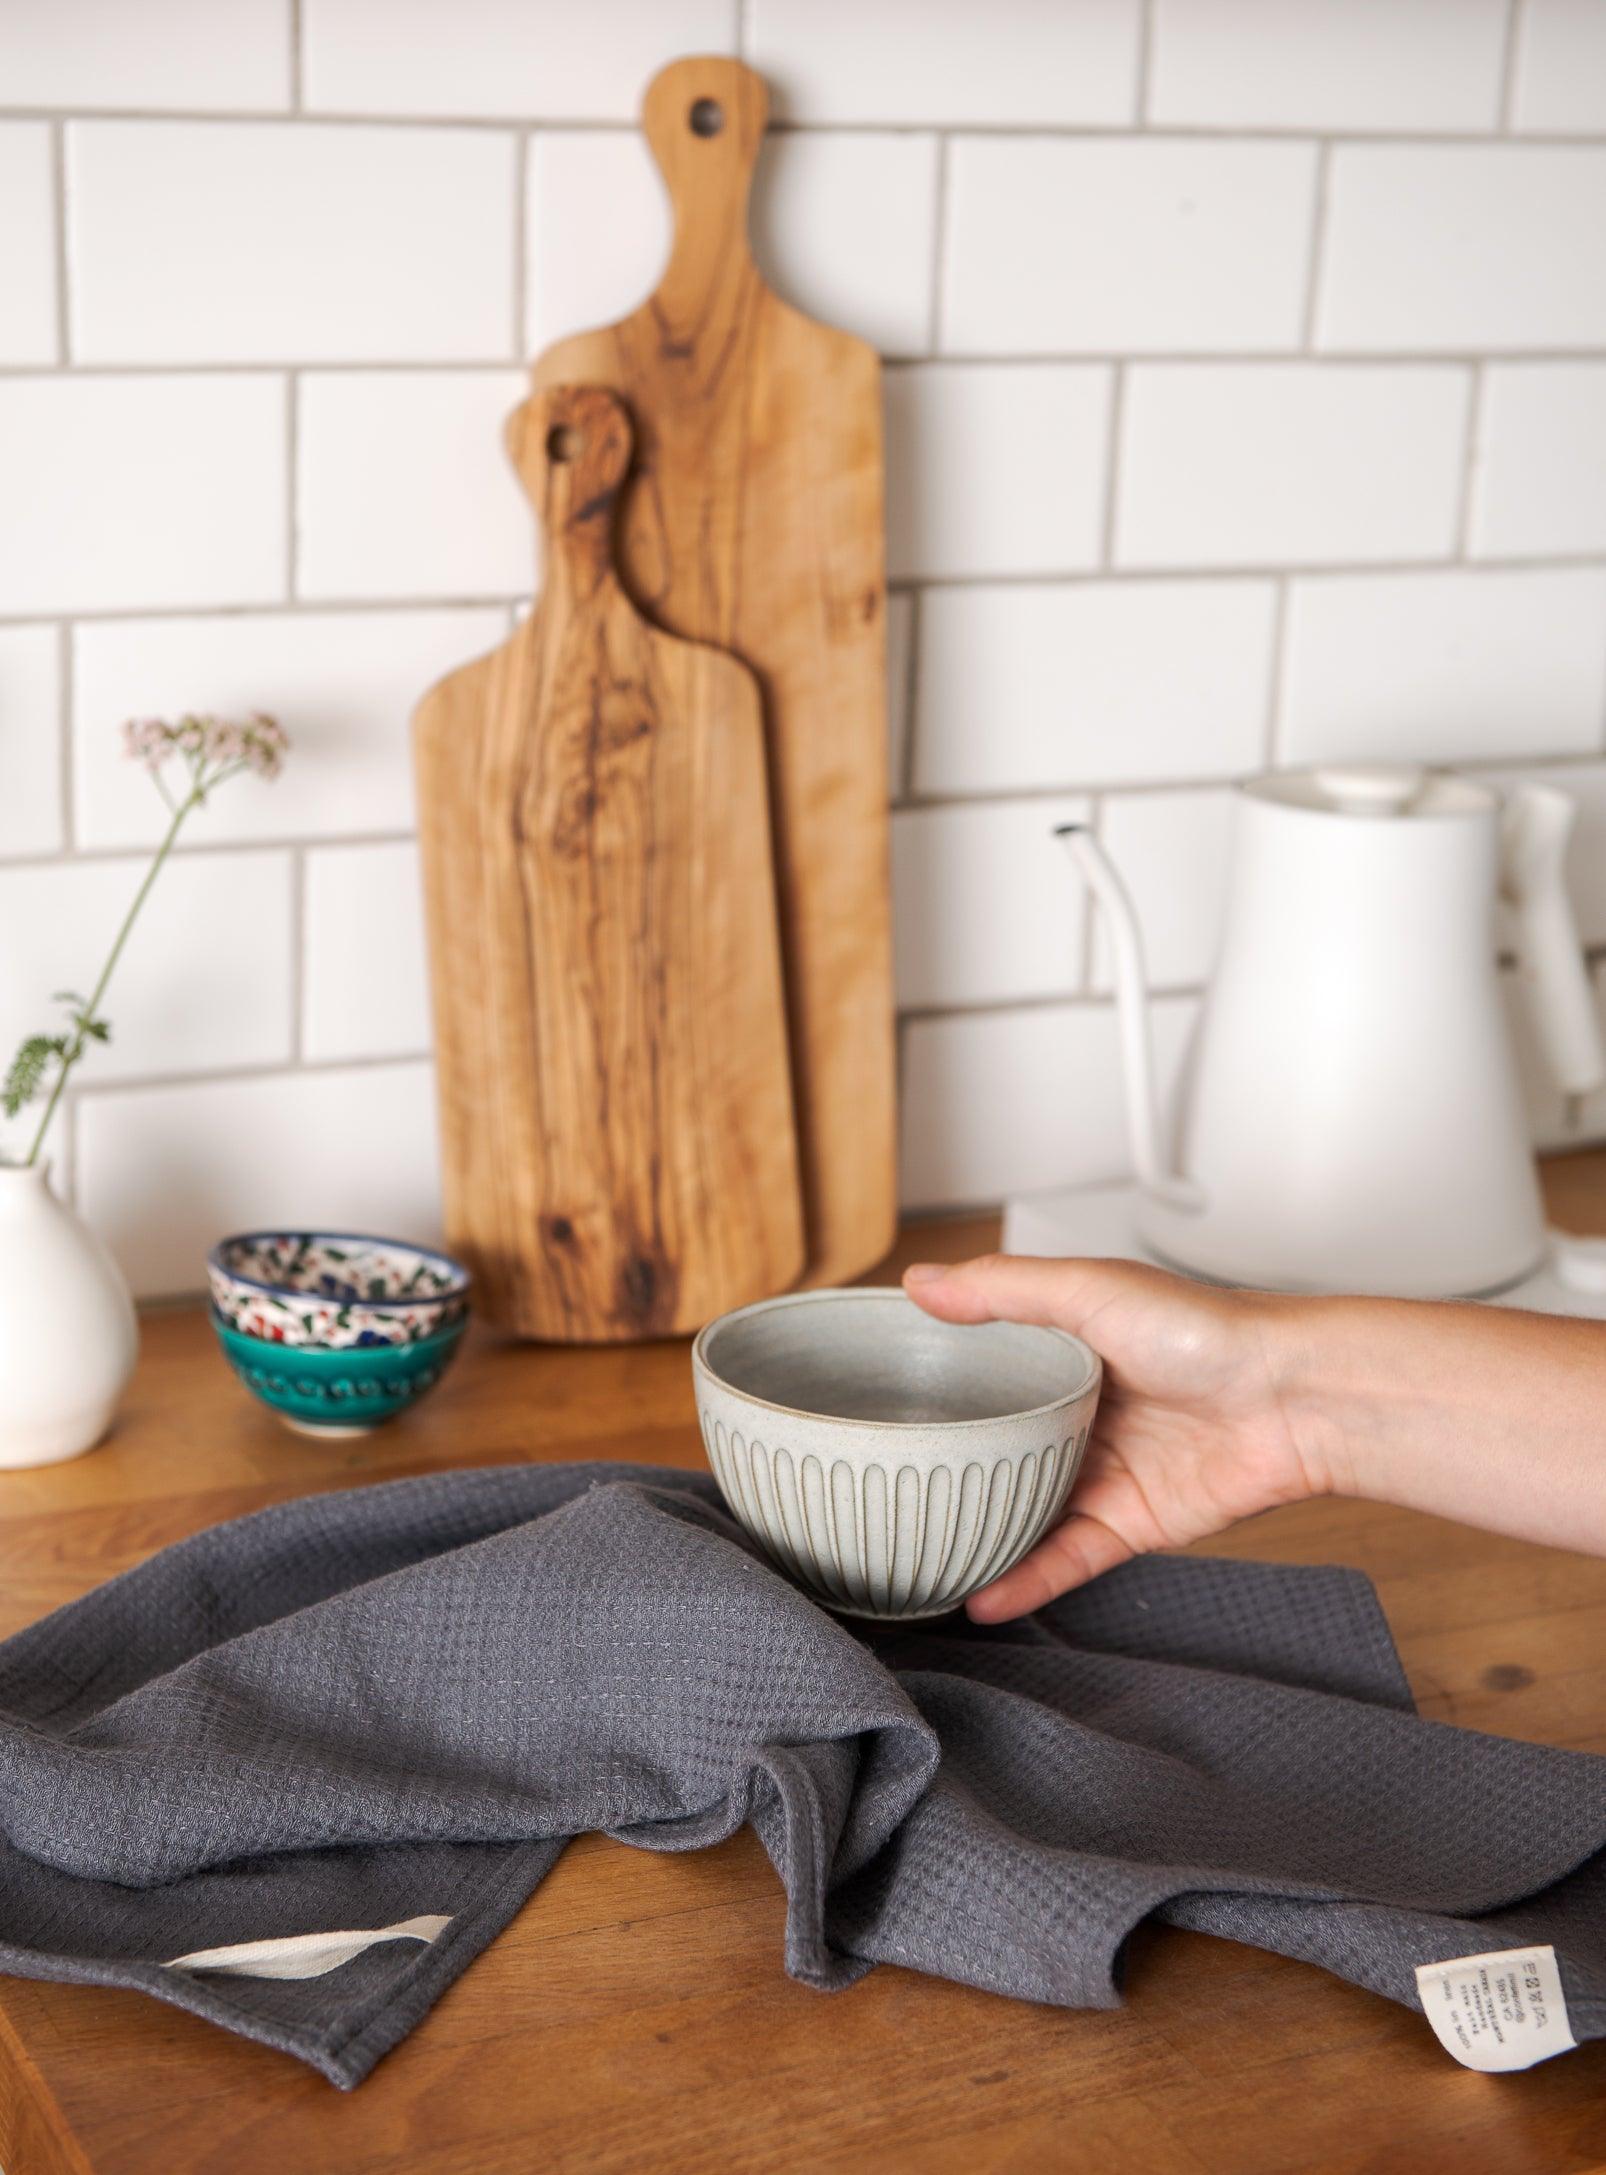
341	1391
890	1463
336	1290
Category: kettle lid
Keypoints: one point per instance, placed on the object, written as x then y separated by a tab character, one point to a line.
1374	789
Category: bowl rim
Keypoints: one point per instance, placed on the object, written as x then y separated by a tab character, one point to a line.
837	1292
226	1332
462	1280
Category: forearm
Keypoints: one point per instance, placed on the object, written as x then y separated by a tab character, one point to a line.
1483	1414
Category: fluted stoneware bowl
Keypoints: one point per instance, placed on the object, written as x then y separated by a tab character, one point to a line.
891	1463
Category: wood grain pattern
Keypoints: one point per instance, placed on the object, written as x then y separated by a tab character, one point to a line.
755	521
635	2019
615	1087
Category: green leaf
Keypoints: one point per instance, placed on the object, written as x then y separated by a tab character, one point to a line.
27	1075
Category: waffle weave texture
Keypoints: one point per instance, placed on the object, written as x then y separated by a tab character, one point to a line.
357	1708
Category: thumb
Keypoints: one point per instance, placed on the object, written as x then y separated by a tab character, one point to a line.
1018	1288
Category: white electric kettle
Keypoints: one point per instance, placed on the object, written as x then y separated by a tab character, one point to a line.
1349	1117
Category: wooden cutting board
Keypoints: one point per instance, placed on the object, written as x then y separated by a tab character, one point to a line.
615	1090
755	520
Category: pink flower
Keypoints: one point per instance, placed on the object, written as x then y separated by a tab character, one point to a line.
210	745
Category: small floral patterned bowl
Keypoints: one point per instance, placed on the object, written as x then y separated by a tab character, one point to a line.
334	1290
331	1393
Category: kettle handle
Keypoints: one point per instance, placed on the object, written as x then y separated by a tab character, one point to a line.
1535	828
1132	1020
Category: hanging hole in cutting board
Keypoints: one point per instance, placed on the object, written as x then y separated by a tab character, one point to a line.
564	442
706	117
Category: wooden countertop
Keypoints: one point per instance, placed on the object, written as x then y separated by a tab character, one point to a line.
636	2016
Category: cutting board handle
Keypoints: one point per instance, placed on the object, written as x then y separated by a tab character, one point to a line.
571	446
704	118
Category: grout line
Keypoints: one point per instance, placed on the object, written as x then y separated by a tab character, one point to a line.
266	608
296	60
1470	455
1509	51
229	1075
1276	678
1054	1000
268	366
141	849
1143	88
1115	423
521	184
298	954
745	27
939	249
64	739
292	485
58	193
903	584
959	124
1318	246
1264	358
1211	781
905	784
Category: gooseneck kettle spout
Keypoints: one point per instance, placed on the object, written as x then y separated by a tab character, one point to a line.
1132	1020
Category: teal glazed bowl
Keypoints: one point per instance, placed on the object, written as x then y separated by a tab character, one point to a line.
346	1391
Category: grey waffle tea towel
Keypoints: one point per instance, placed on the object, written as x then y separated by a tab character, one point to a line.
388	1709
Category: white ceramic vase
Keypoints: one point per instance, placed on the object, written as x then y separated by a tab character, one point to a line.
67	1331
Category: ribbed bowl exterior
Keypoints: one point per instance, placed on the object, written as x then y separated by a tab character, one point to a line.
879	1534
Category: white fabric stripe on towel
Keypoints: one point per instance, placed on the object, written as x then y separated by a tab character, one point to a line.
303	1955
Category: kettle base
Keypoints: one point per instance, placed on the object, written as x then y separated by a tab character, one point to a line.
1103	1221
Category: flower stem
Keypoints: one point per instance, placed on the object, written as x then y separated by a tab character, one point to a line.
90	1010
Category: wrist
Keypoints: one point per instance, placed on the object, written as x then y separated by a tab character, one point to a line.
1331	1389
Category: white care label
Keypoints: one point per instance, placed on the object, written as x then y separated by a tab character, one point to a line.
1505	2010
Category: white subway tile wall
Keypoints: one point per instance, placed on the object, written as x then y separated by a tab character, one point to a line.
1128	246
1434	668
1247	404
500	59
221	241
999	468
950	60
1171	849
224	918
343	686
27	244
1261	464
1367	65
1039	684
985	904
1560	86
165	56
403	486
1539	480
366	991
163	1172
30	740
148	492
1438	247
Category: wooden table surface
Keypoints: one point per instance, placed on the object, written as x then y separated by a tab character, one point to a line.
636	2016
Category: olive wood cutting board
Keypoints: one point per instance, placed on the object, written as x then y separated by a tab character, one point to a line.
755	520
614	1079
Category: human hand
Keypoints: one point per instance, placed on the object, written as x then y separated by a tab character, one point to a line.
1194	1428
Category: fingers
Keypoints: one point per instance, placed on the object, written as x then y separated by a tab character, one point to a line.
1077	1550
1015	1288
